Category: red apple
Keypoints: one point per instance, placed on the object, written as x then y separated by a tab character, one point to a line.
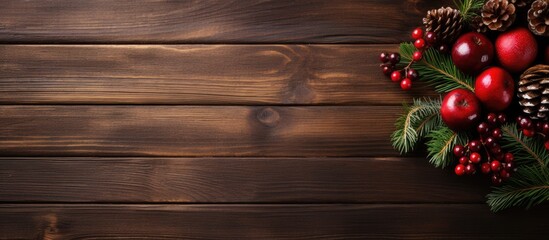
472	52
460	109
516	49
495	89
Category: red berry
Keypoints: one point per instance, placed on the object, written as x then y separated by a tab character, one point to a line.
546	144
406	84
474	146
528	132
475	158
431	38
470	169
509	157
495	166
525	123
460	169
417	33
443	49
387	69
419	44
509	167
483	129
459	150
490	142
497	134
502	118
396	76
417	56
485	167
504	174
463	160
384	57
394	58
496	180
492	119
412	74
545	129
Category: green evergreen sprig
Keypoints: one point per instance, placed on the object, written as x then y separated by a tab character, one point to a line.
525	150
437	69
529	186
419	119
441	143
469	8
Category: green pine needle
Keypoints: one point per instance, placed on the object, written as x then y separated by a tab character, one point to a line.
441	143
419	119
529	186
525	150
469	8
437	69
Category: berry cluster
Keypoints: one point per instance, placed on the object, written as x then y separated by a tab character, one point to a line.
408	74
530	128
486	152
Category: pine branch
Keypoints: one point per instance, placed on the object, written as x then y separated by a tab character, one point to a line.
419	119
469	8
529	186
526	150
437	69
441	143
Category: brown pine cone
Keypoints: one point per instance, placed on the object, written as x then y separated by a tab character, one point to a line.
533	92
498	15
477	25
521	3
538	17
446	23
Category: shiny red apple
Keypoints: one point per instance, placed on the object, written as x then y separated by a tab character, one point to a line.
495	88
516	49
472	52
460	109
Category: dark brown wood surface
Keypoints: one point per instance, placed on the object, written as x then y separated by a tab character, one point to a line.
234	180
296	221
220	120
196	131
197	74
210	21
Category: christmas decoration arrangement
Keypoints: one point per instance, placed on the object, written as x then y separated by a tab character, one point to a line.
489	60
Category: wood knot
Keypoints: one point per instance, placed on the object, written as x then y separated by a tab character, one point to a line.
268	117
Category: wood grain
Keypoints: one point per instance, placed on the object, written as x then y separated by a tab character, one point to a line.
220	180
196	131
197	74
374	221
211	21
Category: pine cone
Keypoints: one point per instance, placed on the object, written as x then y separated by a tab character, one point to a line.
498	15
521	3
446	23
538	17
477	25
533	92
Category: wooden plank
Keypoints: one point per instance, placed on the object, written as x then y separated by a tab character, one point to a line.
211	21
424	221
197	74
196	131
237	180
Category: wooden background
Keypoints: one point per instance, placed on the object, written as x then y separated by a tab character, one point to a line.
220	120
